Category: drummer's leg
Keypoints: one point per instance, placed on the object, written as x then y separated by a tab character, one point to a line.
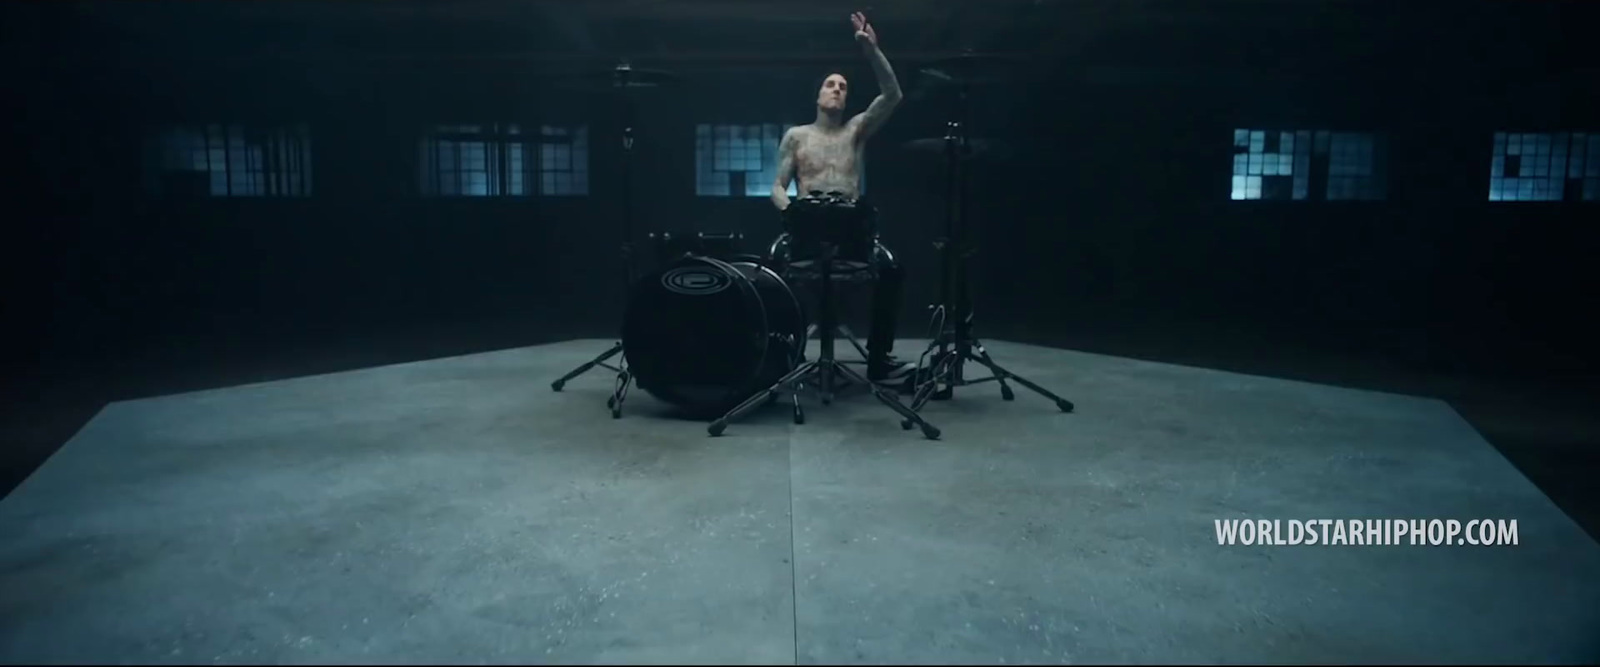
886	296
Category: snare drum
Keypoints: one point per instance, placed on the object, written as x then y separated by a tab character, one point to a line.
817	223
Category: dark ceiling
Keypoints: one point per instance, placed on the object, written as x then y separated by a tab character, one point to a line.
1167	35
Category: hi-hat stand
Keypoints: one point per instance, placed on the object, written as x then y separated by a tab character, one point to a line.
954	343
622	79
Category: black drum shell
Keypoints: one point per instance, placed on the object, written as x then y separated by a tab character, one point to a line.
810	223
704	334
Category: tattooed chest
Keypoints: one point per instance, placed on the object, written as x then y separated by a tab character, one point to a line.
828	163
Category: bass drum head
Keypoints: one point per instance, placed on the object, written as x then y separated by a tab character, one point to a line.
785	321
695	335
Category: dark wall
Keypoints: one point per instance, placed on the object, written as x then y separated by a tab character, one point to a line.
1114	205
1130	209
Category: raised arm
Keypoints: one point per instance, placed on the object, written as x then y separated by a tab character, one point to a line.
889	94
780	184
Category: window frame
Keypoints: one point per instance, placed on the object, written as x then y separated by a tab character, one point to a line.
249	160
516	159
706	150
1578	151
1325	165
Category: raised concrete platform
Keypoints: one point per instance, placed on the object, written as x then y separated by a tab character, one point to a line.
458	510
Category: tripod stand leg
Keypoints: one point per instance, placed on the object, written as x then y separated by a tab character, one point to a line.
938	351
850	336
887	398
936	375
1006	394
982	356
940	367
788	382
580	370
618	395
799	359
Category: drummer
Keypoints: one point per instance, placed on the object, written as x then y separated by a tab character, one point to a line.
826	156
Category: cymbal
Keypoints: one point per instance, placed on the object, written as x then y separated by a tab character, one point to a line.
976	147
975	68
624	78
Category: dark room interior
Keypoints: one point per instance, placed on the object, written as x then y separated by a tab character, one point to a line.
215	201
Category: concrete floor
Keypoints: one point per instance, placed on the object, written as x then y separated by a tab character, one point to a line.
456	510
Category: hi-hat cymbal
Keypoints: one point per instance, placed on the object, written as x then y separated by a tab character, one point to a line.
976	147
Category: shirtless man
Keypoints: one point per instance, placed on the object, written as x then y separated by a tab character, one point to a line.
826	156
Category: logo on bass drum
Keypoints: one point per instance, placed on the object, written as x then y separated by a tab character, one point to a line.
695	281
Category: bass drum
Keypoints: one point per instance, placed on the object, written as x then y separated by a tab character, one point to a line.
705	334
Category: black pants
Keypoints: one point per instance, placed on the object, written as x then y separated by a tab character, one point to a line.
886	295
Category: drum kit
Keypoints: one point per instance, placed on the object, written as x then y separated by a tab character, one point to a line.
719	333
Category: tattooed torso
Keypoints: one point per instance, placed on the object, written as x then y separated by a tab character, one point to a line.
828	160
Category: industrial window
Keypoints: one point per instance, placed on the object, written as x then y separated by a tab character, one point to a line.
1307	164
502	160
734	159
1552	166
221	160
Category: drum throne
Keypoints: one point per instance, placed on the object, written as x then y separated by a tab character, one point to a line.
828	240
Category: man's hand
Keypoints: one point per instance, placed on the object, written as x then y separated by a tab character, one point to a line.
864	32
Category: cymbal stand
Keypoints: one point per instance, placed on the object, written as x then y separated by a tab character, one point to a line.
941	367
621	80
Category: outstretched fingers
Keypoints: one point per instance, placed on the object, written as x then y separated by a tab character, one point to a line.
863	28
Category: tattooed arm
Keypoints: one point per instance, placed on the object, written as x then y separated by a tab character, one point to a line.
889	94
786	152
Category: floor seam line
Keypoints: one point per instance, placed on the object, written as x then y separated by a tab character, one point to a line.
794	572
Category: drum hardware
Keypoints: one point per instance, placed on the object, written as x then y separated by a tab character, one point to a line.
940	369
623	79
780	249
841	331
671	246
986	149
851	225
819	228
979	69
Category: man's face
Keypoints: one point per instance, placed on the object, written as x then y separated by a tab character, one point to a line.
835	90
